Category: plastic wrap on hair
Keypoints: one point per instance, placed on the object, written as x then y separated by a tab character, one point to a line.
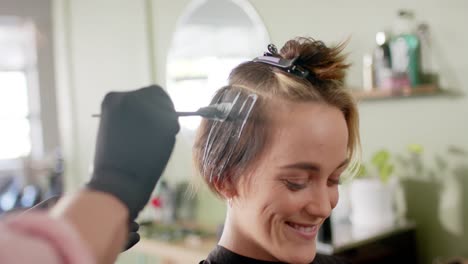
224	135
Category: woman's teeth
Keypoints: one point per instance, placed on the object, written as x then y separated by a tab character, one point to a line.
302	228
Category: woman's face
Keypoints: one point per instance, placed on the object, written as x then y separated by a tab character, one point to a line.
282	203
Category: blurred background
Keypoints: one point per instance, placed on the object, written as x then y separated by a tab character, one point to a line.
58	58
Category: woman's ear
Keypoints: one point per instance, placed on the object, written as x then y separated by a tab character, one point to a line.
225	185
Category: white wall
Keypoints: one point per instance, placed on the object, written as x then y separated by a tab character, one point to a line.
102	46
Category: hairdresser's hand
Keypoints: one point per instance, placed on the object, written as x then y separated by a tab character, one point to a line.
133	236
135	140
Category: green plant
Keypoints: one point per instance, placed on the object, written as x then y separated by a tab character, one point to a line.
411	164
380	166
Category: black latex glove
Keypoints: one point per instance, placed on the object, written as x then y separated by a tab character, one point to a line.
133	236
135	140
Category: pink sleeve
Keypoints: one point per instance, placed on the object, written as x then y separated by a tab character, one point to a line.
35	237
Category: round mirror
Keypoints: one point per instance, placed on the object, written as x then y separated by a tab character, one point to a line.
211	38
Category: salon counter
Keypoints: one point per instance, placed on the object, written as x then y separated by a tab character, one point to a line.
175	253
175	242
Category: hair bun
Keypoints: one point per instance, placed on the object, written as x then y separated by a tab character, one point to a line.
324	63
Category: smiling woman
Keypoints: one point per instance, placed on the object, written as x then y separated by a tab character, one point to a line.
281	177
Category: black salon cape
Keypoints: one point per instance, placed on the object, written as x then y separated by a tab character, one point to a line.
221	255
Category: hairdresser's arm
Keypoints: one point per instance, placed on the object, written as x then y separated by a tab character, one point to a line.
100	219
36	237
136	137
87	227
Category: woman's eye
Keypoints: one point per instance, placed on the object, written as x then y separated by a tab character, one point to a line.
294	186
333	182
335	179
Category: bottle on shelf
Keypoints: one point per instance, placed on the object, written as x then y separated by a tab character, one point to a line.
166	194
405	51
382	62
428	72
367	73
160	209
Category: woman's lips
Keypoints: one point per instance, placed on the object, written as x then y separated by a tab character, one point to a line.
305	231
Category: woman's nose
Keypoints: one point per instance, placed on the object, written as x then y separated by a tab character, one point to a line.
319	203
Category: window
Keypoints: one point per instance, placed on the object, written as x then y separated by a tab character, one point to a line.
18	67
27	94
211	38
192	83
15	139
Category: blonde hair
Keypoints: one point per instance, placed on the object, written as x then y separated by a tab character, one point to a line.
325	84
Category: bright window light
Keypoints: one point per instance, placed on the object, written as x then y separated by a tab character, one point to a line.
15	140
192	83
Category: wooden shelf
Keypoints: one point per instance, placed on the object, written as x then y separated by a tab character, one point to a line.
380	94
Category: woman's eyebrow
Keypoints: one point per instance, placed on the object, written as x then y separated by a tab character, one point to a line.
303	166
310	166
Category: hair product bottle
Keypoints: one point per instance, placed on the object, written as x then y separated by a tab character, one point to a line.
382	62
405	51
